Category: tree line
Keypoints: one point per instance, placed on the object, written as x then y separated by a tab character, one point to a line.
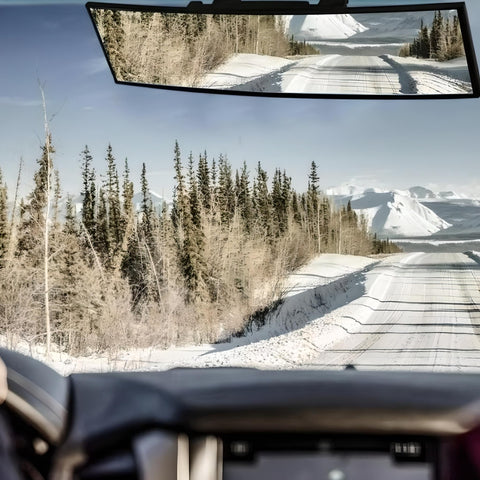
123	275
441	41
179	49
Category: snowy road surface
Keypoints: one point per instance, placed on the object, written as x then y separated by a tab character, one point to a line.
409	311
339	74
335	74
420	313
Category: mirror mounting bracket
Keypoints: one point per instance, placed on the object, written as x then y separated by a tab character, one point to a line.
322	5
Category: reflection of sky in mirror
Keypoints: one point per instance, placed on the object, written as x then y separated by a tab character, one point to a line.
375	143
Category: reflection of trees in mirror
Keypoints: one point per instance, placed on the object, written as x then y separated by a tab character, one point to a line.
179	49
441	41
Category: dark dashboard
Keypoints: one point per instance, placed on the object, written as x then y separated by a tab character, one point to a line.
241	424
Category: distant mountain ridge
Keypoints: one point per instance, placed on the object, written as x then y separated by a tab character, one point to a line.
418	211
394	214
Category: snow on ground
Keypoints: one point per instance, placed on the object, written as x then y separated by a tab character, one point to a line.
243	68
474	255
332	313
335	74
305	319
431	77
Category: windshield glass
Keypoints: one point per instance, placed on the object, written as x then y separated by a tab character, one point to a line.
147	229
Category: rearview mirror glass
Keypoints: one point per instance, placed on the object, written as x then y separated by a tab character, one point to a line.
393	54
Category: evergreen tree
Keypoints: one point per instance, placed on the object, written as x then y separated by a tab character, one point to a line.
424	42
279	204
4	223
127	203
193	195
213	183
225	192
88	192
262	202
313	206
112	191
33	213
296	209
203	179
188	236
243	198
102	239
70	225
76	303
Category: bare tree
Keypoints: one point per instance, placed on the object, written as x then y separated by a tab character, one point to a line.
46	230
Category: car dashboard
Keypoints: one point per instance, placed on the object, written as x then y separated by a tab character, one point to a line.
236	424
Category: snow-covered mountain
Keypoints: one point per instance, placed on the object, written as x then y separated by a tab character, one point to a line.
390	213
397	215
322	27
418	211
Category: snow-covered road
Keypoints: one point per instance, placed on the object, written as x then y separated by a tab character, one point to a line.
409	311
420	313
340	74
336	74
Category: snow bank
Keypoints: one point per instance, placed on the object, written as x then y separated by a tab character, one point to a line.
475	256
243	68
321	285
431	77
333	312
306	315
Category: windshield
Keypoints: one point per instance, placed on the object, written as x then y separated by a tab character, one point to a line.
144	229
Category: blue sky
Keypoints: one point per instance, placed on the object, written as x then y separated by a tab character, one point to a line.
392	144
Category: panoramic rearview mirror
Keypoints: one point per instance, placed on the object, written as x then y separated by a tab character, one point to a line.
400	52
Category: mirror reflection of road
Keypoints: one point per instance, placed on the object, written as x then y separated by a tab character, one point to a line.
420	313
338	74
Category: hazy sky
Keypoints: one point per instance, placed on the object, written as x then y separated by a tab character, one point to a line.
394	144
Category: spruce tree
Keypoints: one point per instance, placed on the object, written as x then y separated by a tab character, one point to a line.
188	237
33	214
226	194
193	195
88	192
262	202
278	204
112	192
4	223
103	243
244	198
203	179
127	203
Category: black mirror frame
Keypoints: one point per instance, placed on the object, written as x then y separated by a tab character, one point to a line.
327	7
